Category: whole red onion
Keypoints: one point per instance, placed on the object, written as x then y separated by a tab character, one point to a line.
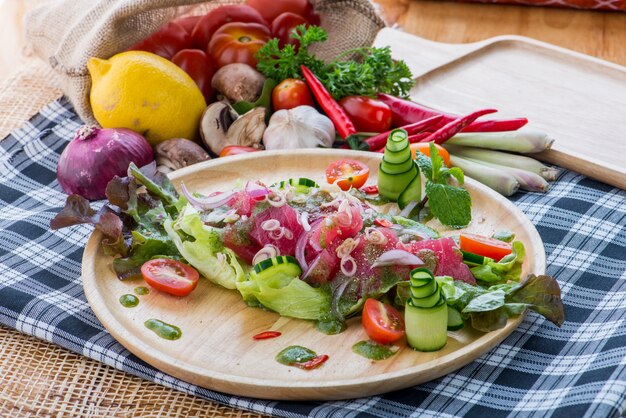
96	155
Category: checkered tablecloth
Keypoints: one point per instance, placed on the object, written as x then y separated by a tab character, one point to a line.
538	371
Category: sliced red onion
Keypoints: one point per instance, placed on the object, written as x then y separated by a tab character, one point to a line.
206	203
268	251
348	266
256	191
374	236
288	233
311	266
270	225
304	221
277	234
397	258
300	247
408	208
276	199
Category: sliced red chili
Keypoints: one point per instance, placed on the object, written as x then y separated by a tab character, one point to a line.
314	363
371	189
383	222
266	335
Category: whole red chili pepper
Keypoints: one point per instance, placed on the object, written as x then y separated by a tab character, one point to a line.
450	129
265	335
405	112
343	124
314	363
380	140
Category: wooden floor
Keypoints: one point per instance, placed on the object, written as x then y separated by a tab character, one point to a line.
602	34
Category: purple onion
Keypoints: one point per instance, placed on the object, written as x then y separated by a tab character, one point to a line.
206	203
397	258
97	155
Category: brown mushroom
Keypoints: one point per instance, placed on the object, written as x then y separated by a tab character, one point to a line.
238	82
177	153
220	126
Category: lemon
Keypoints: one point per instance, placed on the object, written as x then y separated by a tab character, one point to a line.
146	93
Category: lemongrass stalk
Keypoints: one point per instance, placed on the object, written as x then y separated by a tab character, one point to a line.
527	180
523	140
506	159
500	181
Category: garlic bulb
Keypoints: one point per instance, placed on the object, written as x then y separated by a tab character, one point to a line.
300	127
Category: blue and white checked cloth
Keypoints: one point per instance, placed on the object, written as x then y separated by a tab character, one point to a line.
538	371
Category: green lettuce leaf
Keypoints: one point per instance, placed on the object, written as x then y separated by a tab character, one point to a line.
288	296
202	247
508	268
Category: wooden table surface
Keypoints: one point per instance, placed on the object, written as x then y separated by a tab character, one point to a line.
601	34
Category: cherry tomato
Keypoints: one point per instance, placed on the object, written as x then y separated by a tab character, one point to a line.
188	22
424	148
238	42
283	26
216	18
291	93
165	42
236	149
347	173
271	9
485	246
367	114
170	276
382	323
196	63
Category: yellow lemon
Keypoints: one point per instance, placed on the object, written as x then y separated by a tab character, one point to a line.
146	93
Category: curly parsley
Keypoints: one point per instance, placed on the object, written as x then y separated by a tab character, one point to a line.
374	70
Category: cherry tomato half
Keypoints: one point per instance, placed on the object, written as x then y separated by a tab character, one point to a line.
485	246
291	93
271	9
236	149
238	42
283	26
197	64
424	148
382	323
165	42
170	276
367	114
216	18
347	173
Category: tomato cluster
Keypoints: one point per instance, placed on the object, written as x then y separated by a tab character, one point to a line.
227	34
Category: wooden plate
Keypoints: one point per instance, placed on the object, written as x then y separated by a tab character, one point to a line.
216	349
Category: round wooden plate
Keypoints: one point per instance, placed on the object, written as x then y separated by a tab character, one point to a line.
216	349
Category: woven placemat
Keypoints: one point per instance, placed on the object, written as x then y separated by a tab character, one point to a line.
40	379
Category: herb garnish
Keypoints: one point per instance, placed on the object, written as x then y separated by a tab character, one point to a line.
375	71
449	203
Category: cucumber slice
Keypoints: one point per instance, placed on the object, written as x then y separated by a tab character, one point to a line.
301	184
455	320
390	185
397	168
413	190
279	263
427	301
475	259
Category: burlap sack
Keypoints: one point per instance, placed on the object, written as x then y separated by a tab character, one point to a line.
66	33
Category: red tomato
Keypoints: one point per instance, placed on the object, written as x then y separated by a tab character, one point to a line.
216	18
236	149
166	42
367	114
197	64
271	9
188	22
485	246
382	323
371	189
424	148
347	173
170	276
238	42
291	93
284	25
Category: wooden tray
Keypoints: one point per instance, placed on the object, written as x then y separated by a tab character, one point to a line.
216	349
577	99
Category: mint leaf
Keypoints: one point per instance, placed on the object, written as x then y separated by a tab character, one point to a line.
425	165
437	162
457	173
451	205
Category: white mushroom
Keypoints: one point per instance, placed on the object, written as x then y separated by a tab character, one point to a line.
177	153
220	126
